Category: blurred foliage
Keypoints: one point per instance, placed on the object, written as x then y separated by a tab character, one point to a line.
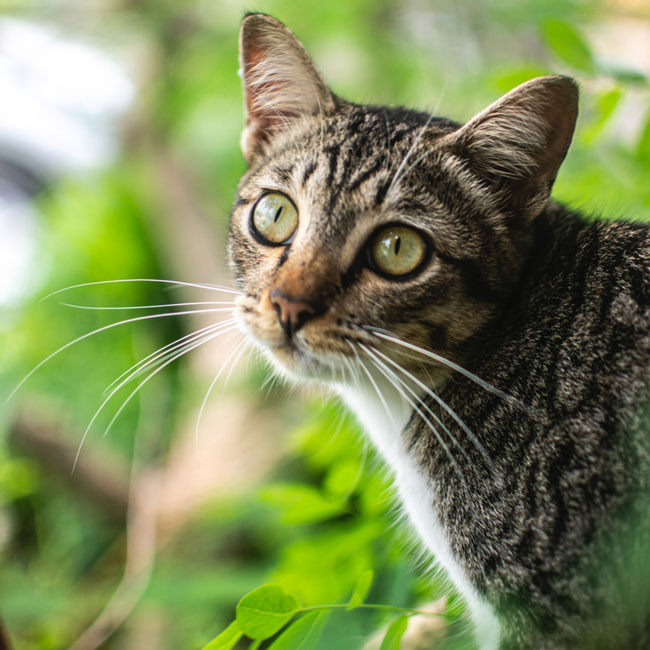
323	518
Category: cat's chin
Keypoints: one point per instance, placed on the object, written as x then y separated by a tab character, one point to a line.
300	365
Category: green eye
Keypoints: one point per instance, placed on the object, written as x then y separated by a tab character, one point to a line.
397	250
274	218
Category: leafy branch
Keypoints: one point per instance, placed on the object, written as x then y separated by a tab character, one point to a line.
269	609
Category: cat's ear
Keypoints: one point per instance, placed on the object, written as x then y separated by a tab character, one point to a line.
519	142
281	82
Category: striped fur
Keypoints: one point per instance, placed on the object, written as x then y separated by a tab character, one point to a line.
531	483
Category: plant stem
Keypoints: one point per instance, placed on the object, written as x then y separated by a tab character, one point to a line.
387	608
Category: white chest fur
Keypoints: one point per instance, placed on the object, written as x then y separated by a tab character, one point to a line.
384	422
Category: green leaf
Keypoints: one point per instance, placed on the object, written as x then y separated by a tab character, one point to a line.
394	633
301	504
303	634
606	104
316	442
18	478
509	77
374	498
456	609
265	610
622	73
643	148
568	44
227	639
343	477
361	589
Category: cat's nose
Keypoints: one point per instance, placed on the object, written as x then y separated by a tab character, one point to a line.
292	313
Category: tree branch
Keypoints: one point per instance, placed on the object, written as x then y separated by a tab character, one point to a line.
100	476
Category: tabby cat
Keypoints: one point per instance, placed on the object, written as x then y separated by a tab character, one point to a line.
494	344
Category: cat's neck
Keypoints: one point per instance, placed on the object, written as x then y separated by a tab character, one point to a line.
385	412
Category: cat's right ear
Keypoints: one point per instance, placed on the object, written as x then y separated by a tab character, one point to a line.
517	144
281	82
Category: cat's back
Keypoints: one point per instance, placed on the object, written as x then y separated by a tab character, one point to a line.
560	536
623	259
581	316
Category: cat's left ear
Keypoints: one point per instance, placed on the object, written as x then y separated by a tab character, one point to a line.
517	144
281	82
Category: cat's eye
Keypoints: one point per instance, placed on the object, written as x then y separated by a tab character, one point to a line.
274	219
397	251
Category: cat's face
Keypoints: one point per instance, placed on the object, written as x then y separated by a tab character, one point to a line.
357	223
344	220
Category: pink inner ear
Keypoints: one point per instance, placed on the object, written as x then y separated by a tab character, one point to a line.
281	82
262	120
269	117
560	118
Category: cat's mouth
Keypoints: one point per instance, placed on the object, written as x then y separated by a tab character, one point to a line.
300	360
314	352
304	363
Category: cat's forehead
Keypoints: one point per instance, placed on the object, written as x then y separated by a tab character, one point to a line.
346	165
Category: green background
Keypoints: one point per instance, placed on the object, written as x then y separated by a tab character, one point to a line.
290	493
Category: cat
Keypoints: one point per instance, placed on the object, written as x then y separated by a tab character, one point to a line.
494	344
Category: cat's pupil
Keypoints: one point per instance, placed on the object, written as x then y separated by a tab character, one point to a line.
274	219
397	250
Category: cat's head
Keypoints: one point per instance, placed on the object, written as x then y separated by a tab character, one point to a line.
358	223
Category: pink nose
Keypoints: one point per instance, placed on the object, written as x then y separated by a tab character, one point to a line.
292	313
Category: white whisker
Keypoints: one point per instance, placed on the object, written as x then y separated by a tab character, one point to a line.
416	396
162	366
162	355
401	386
171	304
204	339
384	334
168	348
389	413
273	379
238	348
270	380
447	408
178	283
97	331
348	366
398	174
